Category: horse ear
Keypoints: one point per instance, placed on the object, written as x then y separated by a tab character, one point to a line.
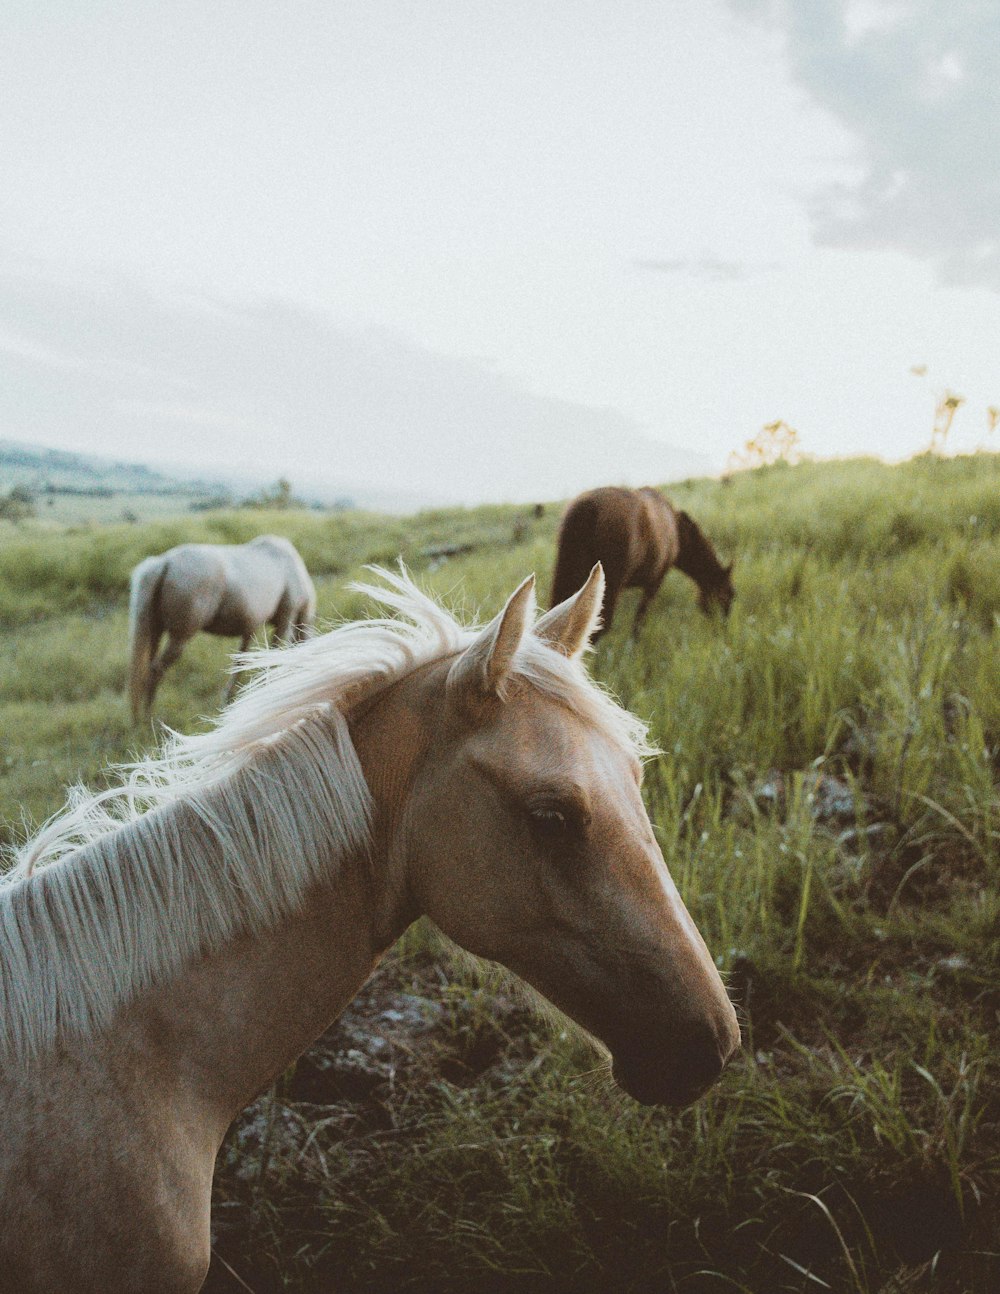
486	663
729	568
569	626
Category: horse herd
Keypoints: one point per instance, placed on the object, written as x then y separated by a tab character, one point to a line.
171	944
235	590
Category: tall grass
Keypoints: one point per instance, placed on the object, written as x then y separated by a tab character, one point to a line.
856	1144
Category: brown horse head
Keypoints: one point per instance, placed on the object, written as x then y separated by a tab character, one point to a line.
529	845
717	593
698	559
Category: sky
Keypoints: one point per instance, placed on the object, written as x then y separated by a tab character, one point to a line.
455	245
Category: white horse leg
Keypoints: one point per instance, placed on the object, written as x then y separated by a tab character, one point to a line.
302	627
284	628
152	679
169	656
235	678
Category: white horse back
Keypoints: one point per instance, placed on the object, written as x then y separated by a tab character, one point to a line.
232	589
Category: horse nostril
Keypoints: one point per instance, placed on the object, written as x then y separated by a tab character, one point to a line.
703	1068
705	1056
686	1064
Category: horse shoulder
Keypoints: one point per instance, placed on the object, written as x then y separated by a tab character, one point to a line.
277	545
281	561
191	564
273	550
100	1188
663	520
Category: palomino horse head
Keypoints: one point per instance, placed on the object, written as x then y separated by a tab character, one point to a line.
529	845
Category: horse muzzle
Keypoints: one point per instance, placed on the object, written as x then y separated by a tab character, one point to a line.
678	1078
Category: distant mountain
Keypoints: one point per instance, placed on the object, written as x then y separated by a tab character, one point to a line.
63	470
268	389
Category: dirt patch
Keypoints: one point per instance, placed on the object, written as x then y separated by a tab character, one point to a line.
409	1027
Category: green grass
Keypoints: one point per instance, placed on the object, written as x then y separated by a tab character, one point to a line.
856	1144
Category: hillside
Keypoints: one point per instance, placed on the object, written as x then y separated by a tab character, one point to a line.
68	488
827	802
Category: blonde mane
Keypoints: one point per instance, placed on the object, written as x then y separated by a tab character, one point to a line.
224	832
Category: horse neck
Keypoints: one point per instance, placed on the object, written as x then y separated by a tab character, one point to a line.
696	557
232	1022
238	1018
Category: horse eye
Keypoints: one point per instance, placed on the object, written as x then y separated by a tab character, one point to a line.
547	820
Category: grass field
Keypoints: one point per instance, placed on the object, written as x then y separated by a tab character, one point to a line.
828	803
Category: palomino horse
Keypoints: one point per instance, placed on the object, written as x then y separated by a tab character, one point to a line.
227	589
167	948
637	536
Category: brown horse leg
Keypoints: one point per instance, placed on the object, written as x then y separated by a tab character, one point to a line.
235	678
640	615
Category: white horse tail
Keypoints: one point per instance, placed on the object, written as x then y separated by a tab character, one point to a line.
143	629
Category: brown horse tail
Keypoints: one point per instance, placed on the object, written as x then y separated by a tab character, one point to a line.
143	629
576	555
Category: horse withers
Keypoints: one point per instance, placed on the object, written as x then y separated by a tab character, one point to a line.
227	589
168	947
637	536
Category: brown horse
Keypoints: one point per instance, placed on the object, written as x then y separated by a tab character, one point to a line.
168	947
637	536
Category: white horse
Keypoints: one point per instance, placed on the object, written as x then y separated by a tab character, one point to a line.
227	589
168	947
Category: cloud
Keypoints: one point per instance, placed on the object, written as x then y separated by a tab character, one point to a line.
270	387
710	268
915	81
